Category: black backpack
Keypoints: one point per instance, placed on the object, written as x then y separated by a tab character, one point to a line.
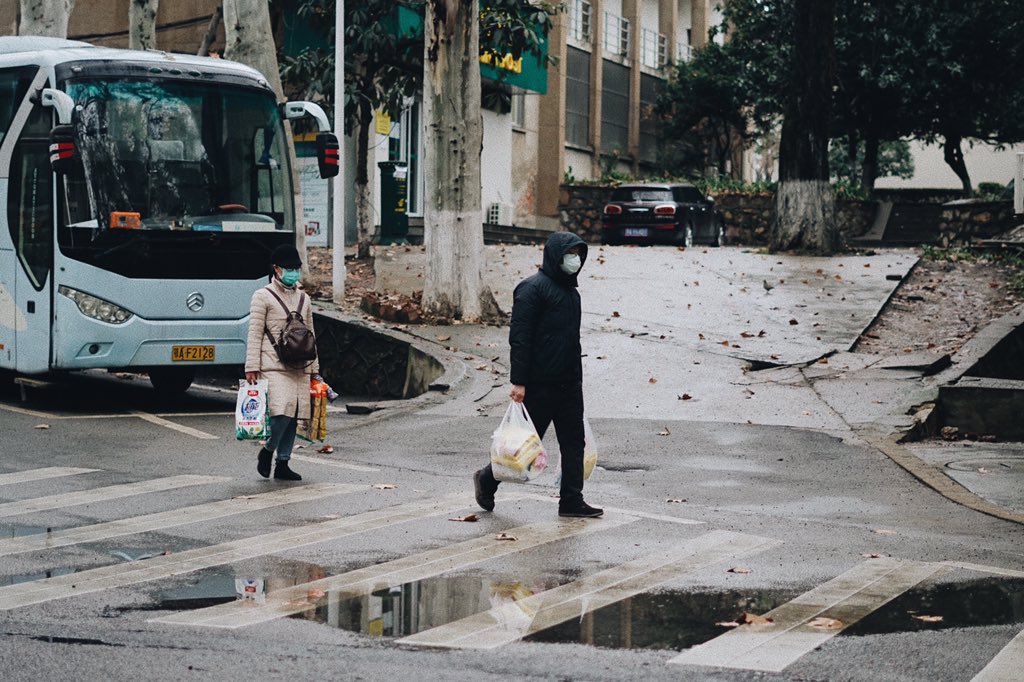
296	344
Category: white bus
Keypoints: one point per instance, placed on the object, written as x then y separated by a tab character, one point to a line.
141	194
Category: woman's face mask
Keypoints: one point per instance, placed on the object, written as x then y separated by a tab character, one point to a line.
571	263
290	277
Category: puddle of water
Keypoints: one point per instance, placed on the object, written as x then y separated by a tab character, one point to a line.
22	531
662	620
6	580
989	601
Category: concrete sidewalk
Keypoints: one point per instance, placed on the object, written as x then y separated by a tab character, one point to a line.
723	335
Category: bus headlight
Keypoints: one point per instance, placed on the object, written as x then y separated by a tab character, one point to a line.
97	308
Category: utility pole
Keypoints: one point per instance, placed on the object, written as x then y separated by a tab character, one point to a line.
338	200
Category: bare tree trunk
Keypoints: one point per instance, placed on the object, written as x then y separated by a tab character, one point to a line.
249	39
211	32
45	18
453	140
142	24
869	173
804	205
954	156
364	198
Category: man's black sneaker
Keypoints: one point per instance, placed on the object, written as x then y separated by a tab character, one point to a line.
263	462
283	473
582	511
483	498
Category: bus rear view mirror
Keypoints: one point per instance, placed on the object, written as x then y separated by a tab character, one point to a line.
62	148
327	154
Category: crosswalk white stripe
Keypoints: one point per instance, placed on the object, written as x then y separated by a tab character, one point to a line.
994	570
111	492
41	474
847	598
1008	664
506	624
331	463
180	428
120	575
296	599
171	518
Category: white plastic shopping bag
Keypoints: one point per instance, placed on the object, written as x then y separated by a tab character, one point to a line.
589	450
517	454
252	415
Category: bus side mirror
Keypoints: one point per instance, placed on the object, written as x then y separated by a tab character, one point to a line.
327	154
62	148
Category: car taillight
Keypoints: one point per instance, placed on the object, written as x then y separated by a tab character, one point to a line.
612	209
665	209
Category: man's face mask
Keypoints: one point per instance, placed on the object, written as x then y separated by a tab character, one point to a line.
571	263
290	277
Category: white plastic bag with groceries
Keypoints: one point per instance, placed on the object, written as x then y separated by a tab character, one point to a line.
517	454
252	414
589	450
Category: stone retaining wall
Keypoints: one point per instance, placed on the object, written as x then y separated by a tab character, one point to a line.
965	220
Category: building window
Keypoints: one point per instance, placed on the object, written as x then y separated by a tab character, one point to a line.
616	35
579	21
518	111
653	49
650	88
615	109
577	97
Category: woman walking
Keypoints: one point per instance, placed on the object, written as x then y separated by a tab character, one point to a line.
287	386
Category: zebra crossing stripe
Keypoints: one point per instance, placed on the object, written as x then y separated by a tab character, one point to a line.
297	598
513	621
847	598
171	518
160	567
112	492
41	474
1007	665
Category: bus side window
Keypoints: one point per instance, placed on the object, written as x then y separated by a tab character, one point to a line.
13	86
30	198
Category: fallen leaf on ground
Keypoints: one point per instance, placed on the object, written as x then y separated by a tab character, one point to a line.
825	623
928	619
469	518
793	321
505	536
739	569
872	555
700	336
665	432
41	426
746	335
327	449
675	500
685	396
983	470
884	531
383	486
725	343
652	380
754	619
444	338
615	313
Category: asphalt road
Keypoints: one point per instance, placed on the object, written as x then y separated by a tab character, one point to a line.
155	513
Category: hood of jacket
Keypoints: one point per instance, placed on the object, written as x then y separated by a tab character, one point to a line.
554	250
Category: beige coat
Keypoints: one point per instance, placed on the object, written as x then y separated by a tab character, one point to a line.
287	389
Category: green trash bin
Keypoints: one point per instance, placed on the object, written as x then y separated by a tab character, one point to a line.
394	218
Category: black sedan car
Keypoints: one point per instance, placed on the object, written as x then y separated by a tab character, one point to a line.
661	214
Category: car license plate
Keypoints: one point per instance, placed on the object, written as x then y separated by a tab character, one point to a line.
192	353
634	232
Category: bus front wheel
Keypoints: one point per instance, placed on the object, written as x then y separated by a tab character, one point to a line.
171	380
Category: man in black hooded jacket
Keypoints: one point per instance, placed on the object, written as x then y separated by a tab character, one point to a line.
547	366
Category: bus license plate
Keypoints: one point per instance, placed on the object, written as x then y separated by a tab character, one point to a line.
192	353
634	232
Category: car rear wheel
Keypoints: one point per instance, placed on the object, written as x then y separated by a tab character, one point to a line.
688	236
719	235
171	381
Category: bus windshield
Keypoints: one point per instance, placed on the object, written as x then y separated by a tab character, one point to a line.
163	154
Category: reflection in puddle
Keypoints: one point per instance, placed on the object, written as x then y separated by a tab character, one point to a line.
990	601
29	577
414	607
23	531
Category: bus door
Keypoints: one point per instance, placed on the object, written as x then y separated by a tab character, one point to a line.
24	160
8	313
